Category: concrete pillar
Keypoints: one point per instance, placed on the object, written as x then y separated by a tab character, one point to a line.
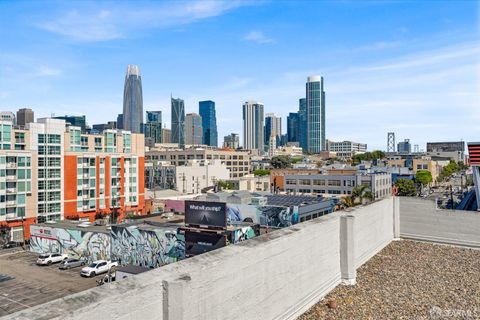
396	218
172	300
347	250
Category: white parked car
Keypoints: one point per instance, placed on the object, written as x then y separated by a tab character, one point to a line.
97	267
49	258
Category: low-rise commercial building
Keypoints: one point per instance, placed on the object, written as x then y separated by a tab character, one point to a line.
346	149
380	184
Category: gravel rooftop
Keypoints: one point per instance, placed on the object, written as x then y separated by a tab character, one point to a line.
409	280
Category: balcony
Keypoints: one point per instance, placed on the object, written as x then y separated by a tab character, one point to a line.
12	178
11	203
11	165
11	190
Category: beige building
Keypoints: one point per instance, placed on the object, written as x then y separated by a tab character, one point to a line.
196	175
237	162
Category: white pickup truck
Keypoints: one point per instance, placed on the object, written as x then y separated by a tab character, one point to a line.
98	267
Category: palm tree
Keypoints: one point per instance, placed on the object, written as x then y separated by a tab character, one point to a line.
361	193
348	201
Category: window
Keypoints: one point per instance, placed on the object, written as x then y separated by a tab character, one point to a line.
291	181
318	182
304	182
21	198
53	138
336	183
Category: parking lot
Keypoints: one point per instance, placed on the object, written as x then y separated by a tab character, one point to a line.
23	284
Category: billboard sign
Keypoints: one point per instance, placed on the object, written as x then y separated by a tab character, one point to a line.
206	214
201	242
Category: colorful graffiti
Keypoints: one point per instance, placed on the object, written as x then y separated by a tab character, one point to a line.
273	216
242	234
78	244
147	248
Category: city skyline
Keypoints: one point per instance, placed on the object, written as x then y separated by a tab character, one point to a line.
396	74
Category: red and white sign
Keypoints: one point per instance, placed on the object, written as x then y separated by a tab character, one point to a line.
43	232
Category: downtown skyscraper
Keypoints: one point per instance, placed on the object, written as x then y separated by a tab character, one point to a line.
206	109
178	122
315	115
273	125
253	130
193	129
132	100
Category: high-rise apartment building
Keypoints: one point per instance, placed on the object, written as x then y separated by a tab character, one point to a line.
253	131
206	109
193	129
232	141
315	115
302	123
133	100
24	116
50	171
273	124
178	122
293	127
152	129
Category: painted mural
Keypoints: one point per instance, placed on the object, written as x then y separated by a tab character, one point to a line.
272	216
78	244
242	234
152	248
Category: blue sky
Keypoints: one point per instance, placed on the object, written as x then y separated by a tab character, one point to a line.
408	67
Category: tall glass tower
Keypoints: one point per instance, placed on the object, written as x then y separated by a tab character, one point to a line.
315	115
302	123
132	100
292	127
206	109
178	122
253	119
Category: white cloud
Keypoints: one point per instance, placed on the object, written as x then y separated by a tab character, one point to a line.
90	24
43	70
258	37
382	45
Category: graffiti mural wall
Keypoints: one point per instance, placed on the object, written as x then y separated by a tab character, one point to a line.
244	233
147	248
273	216
78	244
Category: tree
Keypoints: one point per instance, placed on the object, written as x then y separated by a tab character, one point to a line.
361	193
227	185
424	177
348	202
406	187
368	156
261	172
296	159
280	162
450	169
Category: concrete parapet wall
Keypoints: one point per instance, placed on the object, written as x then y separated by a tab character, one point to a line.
420	220
274	276
373	229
